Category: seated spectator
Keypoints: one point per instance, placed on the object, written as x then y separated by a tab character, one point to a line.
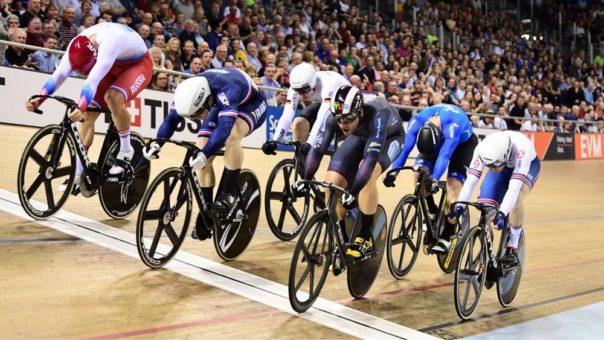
220	56
206	60
35	36
195	66
278	99
144	31
157	57
45	61
188	52
160	82
88	21
16	56
269	80
499	122
66	27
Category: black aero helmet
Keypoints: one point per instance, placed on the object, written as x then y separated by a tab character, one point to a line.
429	140
346	103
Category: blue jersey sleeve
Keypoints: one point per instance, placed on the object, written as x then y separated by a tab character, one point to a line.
444	155
169	125
226	121
415	125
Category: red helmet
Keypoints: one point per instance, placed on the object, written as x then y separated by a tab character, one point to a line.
82	54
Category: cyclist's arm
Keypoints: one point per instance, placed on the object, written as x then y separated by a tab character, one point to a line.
226	121
168	126
519	177
374	146
289	111
57	78
314	157
106	58
444	156
473	176
322	113
410	140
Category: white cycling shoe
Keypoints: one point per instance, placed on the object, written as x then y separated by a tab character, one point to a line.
76	181
121	162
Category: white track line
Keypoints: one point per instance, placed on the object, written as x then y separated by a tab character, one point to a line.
323	312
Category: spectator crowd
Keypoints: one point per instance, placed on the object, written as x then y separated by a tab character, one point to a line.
491	69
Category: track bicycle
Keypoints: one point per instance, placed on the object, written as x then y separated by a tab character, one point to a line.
480	267
286	213
323	244
167	205
49	160
413	217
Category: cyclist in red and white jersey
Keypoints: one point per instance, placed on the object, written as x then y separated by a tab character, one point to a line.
118	67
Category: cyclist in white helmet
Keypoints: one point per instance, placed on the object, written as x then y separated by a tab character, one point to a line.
307	84
513	170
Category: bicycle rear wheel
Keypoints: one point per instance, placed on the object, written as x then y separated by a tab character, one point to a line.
120	199
285	213
47	161
313	252
231	238
164	217
448	262
404	236
470	274
361	276
509	282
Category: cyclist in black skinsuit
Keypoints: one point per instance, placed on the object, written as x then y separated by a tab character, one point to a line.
374	137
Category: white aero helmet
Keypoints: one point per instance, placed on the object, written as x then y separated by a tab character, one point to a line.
495	149
303	78
192	96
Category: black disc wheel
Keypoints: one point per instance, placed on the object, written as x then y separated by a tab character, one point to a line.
163	218
404	237
120	199
310	262
46	172
448	261
470	274
361	276
285	213
509	282
234	234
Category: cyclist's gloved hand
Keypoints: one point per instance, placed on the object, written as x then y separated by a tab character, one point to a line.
349	202
457	210
299	189
269	147
198	162
304	148
389	179
151	151
433	185
499	220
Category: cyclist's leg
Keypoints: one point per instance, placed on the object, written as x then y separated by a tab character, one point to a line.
517	214
428	164
302	124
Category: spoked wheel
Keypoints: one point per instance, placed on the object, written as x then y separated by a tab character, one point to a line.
285	213
119	199
470	274
310	262
448	262
404	237
233	236
361	276
508	283
47	161
164	217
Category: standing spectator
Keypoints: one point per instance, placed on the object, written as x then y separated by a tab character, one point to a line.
269	80
45	61
517	114
67	28
588	93
575	94
367	72
33	10
220	56
214	37
189	32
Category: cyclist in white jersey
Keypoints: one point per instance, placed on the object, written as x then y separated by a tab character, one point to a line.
306	84
513	170
118	67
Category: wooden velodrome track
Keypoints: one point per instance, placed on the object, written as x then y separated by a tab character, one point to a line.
55	285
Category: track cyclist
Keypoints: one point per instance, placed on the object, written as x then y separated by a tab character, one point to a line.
374	134
444	136
231	107
118	67
513	171
307	84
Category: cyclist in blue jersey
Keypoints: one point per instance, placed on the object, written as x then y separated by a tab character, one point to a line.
374	133
444	136
231	107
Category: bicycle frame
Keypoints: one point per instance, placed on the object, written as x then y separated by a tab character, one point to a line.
486	212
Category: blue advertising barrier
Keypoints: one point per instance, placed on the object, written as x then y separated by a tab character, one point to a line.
272	119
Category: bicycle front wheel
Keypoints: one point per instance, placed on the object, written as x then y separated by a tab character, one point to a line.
312	257
47	163
404	236
470	273
285	213
164	217
120	199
